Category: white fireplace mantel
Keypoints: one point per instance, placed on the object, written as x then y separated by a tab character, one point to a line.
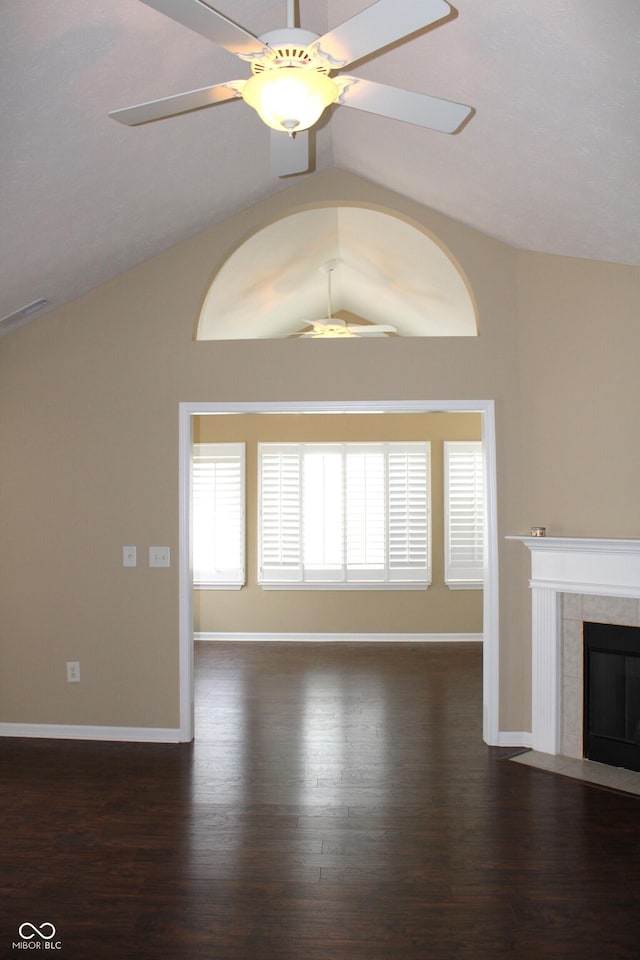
598	567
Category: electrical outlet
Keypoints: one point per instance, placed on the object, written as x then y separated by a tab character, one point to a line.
73	671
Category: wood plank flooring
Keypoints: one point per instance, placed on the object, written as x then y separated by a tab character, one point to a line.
338	804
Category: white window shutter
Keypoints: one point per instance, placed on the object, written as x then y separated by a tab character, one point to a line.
365	511
464	513
280	546
409	534
218	535
344	513
322	496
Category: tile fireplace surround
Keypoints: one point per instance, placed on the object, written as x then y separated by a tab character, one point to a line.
572	579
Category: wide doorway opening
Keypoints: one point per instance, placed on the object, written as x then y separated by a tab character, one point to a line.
192	415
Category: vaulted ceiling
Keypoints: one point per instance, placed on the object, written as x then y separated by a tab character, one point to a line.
549	161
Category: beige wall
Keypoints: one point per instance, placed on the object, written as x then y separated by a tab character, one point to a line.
89	436
438	610
579	356
580	363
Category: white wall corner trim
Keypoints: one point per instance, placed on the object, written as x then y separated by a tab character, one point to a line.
68	731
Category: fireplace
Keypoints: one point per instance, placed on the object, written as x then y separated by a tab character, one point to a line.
612	694
573	580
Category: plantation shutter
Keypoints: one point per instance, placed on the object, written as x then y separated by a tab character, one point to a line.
322	496
218	536
464	513
280	513
365	510
409	552
347	513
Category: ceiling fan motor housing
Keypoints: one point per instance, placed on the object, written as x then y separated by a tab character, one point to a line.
289	47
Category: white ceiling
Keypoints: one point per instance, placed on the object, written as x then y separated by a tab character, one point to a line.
550	161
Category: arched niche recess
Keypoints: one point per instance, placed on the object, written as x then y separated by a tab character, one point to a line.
383	271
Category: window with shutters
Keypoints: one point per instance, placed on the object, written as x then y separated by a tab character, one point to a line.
464	514
218	515
352	515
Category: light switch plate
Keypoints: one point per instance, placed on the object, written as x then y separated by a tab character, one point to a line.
129	557
159	557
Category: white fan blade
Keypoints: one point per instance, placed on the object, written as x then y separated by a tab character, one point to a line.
289	155
442	115
206	21
364	330
180	103
376	27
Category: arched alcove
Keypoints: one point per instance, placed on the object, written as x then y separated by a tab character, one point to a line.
384	270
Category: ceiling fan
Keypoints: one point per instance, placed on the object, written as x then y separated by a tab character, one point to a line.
291	82
330	327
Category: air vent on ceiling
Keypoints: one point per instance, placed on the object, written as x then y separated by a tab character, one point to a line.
20	316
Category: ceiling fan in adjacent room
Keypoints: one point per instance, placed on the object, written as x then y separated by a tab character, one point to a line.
291	83
330	327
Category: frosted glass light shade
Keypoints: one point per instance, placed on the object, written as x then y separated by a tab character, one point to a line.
289	98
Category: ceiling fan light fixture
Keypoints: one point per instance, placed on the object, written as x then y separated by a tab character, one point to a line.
332	329
290	98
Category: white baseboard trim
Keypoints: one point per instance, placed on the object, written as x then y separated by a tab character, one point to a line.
345	637
68	731
514	738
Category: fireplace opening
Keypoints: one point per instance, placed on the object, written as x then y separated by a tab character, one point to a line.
612	694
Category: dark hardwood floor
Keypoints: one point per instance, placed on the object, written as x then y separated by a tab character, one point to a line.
338	804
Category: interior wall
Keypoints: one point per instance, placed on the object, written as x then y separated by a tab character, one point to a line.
89	403
579	346
89	400
579	360
252	609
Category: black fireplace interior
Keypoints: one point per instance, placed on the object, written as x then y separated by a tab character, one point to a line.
612	694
